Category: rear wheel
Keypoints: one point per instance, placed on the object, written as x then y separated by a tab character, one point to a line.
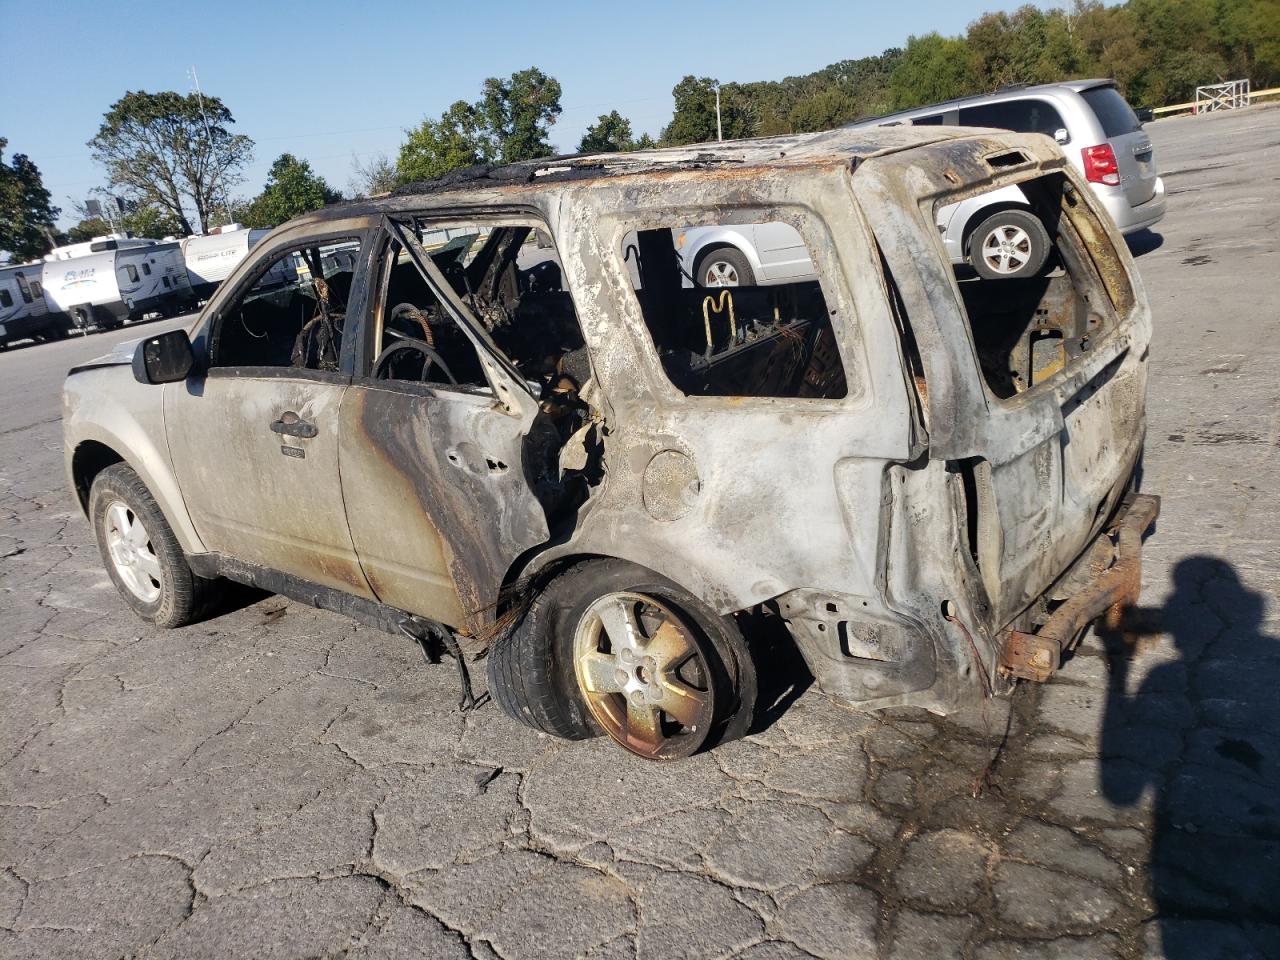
141	554
1008	245
725	267
612	648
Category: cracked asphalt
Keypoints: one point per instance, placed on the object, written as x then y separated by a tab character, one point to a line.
280	782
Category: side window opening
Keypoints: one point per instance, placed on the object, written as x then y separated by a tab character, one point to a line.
724	327
1031	293
294	314
511	281
1021	116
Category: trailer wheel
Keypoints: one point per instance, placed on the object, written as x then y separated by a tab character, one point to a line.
106	320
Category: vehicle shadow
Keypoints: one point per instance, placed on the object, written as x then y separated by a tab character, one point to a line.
1144	242
1202	731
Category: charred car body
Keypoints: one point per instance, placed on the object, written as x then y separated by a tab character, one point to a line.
560	450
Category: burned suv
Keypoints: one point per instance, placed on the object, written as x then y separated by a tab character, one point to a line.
494	412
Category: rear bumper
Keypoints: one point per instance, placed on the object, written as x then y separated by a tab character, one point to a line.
1132	219
1116	582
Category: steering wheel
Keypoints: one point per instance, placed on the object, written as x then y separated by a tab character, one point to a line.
404	345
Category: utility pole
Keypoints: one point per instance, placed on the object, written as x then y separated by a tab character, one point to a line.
213	150
719	129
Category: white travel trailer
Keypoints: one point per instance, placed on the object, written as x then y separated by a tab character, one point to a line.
23	311
210	258
108	280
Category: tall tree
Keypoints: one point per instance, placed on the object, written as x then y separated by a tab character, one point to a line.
26	216
434	147
157	149
519	111
611	133
933	68
292	189
694	120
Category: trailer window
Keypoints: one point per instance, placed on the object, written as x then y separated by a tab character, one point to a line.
728	324
6	298
294	314
146	268
24	288
132	271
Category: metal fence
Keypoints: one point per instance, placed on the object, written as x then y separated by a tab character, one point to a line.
1231	95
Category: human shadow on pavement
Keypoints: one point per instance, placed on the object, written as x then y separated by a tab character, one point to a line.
1202	731
1144	241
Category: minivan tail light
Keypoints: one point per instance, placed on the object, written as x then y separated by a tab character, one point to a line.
1100	165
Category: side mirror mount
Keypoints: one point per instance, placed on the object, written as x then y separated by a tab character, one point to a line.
1061	135
164	358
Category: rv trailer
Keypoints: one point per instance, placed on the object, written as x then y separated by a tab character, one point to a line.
211	257
23	311
108	280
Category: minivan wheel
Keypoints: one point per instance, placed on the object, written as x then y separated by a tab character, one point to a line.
612	648
141	554
724	267
1009	245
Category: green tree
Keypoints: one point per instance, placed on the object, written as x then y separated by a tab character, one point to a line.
158	150
86	229
26	216
519	111
933	68
292	189
823	111
611	133
433	148
694	120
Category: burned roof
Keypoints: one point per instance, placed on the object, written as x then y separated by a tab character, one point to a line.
791	150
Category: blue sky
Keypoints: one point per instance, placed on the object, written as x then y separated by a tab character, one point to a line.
329	80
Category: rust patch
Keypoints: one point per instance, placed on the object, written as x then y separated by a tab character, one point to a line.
1034	656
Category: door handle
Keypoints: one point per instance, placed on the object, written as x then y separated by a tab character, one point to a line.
291	425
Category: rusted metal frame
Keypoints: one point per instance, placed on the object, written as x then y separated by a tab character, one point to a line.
444	292
1034	656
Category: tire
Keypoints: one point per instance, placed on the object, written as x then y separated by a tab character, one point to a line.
177	596
1009	245
82	318
724	267
533	678
106	320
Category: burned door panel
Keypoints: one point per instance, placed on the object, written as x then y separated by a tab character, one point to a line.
437	499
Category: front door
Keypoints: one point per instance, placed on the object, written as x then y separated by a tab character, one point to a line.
255	437
442	440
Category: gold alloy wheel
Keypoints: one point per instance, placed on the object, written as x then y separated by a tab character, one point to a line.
644	676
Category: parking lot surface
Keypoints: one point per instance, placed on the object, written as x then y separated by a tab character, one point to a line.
280	782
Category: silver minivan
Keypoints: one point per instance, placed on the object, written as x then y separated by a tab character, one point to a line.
1090	120
994	232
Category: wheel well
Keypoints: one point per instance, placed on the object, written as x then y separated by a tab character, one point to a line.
89	460
980	216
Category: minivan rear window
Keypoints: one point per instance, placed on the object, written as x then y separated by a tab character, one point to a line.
1021	116
1115	115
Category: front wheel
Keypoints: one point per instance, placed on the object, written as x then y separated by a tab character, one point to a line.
615	649
1009	245
141	554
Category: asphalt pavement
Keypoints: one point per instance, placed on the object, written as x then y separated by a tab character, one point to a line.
280	782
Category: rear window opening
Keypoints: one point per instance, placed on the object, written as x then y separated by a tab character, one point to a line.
1031	292
736	310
